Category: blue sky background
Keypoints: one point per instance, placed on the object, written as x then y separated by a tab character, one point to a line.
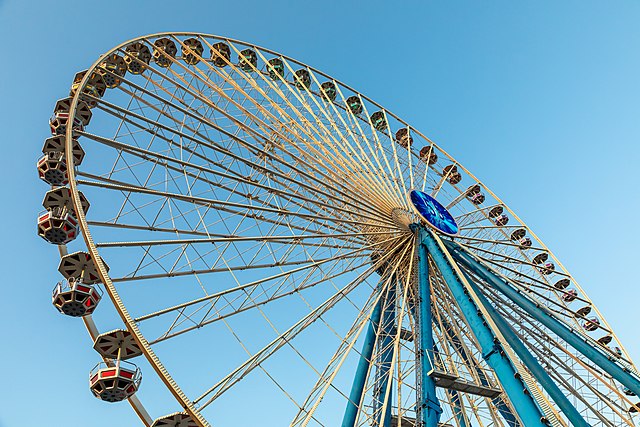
540	100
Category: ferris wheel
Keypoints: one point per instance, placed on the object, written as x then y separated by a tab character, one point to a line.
274	247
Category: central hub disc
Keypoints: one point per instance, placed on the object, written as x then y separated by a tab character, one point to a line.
433	213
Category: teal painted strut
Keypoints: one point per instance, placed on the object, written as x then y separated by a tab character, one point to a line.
531	362
492	350
543	316
387	329
429	409
360	379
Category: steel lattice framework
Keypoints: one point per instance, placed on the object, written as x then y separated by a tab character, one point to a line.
263	253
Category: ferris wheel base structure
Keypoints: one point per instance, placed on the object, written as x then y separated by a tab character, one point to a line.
478	311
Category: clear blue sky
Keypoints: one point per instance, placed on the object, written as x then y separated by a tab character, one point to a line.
540	100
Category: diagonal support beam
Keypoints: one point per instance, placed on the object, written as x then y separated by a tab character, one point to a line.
605	362
385	358
480	322
360	379
429	409
539	373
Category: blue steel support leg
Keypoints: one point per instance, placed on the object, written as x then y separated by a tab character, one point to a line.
543	316
531	362
429	409
360	379
386	357
493	352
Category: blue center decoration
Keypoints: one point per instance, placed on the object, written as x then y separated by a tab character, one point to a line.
433	212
